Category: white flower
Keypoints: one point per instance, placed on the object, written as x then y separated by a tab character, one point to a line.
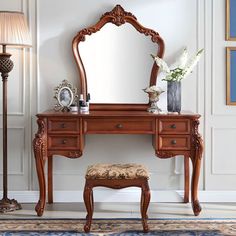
181	62
192	63
161	63
182	66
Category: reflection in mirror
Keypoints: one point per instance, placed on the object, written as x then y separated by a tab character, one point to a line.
117	62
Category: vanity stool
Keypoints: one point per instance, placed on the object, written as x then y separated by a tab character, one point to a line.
116	176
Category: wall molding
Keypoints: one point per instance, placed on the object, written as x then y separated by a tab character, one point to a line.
122	195
21	172
213	130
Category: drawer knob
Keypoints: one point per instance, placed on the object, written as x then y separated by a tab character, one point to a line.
63	125
173	126
173	142
64	141
119	126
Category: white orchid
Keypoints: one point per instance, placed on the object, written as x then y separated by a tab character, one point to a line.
183	66
181	62
161	63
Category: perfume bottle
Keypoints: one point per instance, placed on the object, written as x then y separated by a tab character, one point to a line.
87	100
83	105
81	100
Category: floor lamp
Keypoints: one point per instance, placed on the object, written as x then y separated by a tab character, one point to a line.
13	32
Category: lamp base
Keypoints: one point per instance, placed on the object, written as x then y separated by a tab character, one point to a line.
7	205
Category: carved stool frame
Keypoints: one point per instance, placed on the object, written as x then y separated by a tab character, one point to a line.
116	184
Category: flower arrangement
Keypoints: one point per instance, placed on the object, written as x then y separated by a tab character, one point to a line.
182	67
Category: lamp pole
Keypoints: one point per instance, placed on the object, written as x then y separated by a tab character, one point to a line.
6	65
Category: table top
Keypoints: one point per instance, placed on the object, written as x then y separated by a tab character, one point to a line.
119	113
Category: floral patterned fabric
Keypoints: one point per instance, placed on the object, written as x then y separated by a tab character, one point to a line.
117	171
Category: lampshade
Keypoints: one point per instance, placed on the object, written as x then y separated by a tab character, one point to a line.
14	29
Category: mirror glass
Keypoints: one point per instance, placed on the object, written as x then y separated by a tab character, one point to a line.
118	64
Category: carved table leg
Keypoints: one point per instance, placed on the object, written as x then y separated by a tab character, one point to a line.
40	155
145	200
196	161
186	179
50	180
88	201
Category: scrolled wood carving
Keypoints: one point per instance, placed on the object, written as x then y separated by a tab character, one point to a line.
165	154
39	142
75	154
118	15
197	141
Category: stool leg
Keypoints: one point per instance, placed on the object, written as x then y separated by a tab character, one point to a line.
145	200
88	200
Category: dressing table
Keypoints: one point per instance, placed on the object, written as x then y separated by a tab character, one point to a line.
63	133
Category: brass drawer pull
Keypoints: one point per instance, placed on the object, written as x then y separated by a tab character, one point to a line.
63	125
173	126
173	142
119	126
64	141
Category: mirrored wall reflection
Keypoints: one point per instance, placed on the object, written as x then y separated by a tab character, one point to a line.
118	64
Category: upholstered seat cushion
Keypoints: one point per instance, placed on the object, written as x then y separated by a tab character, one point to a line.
117	171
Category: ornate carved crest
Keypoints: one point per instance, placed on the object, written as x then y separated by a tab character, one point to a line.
118	15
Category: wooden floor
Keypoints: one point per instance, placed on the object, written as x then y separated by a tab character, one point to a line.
126	210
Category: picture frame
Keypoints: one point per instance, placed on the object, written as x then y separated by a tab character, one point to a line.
231	76
231	20
65	95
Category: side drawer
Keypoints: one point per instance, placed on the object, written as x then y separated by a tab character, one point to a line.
57	125
174	142
169	126
63	142
122	126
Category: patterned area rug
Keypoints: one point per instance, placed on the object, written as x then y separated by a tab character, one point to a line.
118	227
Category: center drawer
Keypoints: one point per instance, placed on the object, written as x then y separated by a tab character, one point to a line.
120	126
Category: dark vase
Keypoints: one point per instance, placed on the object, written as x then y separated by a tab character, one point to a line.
174	96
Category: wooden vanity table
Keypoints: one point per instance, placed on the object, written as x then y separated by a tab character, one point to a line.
63	133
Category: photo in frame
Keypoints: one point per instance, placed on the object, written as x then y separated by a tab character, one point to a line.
65	94
231	75
231	20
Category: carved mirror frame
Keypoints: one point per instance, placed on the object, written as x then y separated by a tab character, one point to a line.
117	16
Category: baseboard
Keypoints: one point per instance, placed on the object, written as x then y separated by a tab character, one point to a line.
124	195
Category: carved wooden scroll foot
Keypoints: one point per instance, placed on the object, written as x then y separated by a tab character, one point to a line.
196	207
39	208
39	145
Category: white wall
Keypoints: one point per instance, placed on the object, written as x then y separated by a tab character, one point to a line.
195	24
